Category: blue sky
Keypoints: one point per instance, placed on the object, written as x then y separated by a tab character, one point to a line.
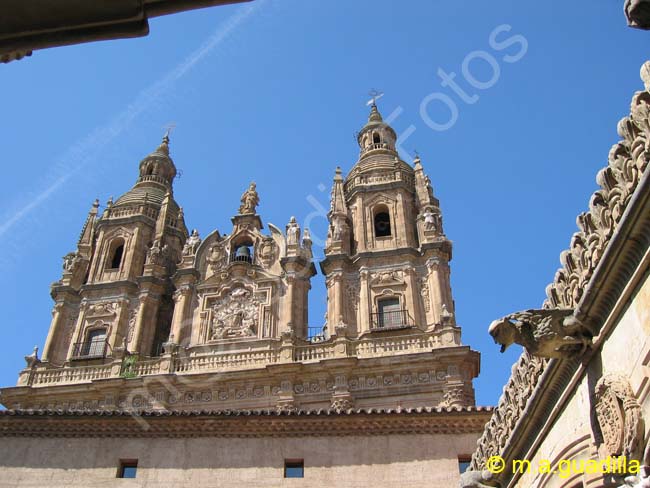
273	91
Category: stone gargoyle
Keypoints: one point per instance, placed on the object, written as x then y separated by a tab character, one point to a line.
553	333
478	479
638	13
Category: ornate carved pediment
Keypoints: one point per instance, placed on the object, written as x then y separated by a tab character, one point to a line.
105	309
387	278
235	315
619	417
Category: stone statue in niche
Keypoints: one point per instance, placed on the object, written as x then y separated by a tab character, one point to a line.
249	201
293	232
192	243
546	333
235	315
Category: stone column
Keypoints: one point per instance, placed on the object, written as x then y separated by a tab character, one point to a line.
412	300
182	298
120	325
436	285
140	323
364	317
58	318
289	298
338	301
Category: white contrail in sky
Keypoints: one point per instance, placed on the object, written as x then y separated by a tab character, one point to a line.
84	151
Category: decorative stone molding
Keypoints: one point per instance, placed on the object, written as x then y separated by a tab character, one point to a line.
619	417
119	423
478	479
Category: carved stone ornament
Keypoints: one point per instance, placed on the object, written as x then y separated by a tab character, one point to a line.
545	333
236	315
249	201
158	253
268	252
628	160
341	403
216	257
192	243
293	232
638	13
387	278
102	309
70	261
477	479
619	417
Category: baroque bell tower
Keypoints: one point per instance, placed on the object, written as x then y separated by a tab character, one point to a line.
115	292
387	257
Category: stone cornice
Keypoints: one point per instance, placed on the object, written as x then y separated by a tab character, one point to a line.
241	423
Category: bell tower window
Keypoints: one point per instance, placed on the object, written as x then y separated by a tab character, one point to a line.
389	313
116	254
375	138
382	222
242	252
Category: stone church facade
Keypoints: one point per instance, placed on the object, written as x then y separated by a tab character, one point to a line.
576	409
190	362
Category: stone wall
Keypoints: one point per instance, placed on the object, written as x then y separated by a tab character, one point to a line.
345	461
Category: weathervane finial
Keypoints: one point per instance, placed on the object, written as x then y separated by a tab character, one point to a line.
168	130
375	95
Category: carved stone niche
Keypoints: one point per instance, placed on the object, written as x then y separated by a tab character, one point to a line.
235	315
619	417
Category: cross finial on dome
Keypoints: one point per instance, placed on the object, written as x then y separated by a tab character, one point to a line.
375	95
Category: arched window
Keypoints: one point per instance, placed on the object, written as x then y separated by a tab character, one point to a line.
375	138
382	222
117	252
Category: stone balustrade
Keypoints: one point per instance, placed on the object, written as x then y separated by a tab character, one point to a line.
218	361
